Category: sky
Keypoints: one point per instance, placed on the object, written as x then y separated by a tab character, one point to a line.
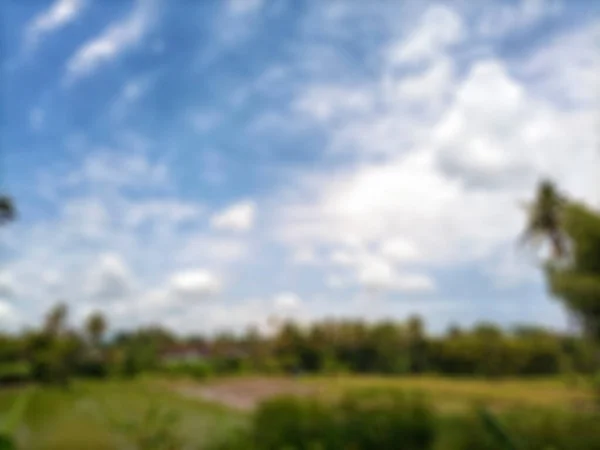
214	165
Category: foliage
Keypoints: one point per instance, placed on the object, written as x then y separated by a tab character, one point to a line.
8	211
362	420
385	420
577	283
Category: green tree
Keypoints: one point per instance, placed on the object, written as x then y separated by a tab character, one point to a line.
8	211
544	218
95	327
577	282
56	319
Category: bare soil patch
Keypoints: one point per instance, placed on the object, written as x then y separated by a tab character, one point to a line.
244	394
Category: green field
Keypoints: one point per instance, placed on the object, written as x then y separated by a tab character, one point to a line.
93	415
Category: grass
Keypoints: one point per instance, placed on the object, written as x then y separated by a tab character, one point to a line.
85	415
89	416
457	393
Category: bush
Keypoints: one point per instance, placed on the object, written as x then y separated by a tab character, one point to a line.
197	369
15	372
389	420
366	420
529	429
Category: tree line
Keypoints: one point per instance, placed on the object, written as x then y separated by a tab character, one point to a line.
55	353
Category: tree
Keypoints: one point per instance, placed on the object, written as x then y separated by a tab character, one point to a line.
7	209
56	319
577	283
545	218
95	328
573	231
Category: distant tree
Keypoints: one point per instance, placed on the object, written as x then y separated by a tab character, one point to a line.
545	217
7	209
56	319
573	231
95	327
577	283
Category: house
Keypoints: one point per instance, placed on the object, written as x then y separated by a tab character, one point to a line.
185	354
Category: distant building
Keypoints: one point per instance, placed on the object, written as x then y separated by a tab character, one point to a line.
185	354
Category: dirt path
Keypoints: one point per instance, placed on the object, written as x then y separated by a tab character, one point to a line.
243	394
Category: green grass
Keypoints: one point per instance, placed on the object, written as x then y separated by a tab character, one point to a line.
88	416
456	393
85	416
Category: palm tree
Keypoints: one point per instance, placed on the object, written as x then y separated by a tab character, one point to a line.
96	327
545	218
7	209
56	319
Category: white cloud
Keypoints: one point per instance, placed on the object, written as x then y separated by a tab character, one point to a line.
238	217
439	28
114	170
195	284
166	211
377	274
133	90
304	256
502	18
335	282
8	314
579	55
324	103
400	250
441	185
58	15
287	301
211	249
110	278
112	42
244	6
8	285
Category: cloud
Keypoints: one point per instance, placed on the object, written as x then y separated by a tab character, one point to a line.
110	278
579	54
440	156
8	285
244	6
439	28
171	211
133	90
58	15
8	315
114	170
377	275
211	249
195	284
112	42
500	18
304	256
287	301
238	217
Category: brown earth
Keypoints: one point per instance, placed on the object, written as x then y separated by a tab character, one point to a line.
244	394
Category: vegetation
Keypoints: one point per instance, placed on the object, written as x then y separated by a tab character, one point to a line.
8	211
132	414
56	353
67	412
396	421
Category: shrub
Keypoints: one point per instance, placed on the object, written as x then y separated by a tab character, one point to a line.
366	420
15	372
197	369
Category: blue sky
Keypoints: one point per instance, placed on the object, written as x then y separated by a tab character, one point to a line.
218	164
